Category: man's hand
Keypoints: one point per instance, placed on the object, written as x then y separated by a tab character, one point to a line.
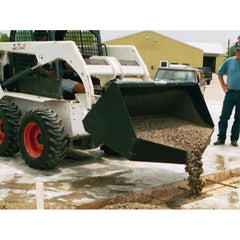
225	87
223	84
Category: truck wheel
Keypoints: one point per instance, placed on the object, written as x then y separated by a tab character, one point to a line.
9	122
42	139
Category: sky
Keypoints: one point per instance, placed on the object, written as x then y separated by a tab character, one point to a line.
184	21
206	36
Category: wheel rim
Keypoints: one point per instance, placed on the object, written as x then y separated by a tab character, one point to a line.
1	131
32	134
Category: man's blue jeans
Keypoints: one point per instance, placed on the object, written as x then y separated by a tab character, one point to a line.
231	99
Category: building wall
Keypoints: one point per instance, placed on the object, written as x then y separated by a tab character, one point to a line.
219	61
154	47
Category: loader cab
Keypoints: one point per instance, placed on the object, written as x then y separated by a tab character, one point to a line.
35	82
88	43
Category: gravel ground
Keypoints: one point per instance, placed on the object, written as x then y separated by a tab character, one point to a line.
133	206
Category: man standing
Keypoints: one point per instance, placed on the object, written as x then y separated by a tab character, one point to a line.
231	67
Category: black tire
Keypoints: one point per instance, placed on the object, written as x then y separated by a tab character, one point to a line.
9	123
42	139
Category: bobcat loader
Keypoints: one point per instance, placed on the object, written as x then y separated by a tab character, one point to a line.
42	121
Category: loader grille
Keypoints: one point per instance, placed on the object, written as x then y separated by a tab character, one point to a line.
21	62
24	36
128	62
88	41
28	35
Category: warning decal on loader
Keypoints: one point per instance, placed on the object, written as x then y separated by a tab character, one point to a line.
19	46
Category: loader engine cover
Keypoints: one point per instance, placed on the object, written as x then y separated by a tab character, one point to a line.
151	121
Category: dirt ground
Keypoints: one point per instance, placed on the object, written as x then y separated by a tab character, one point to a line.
169	196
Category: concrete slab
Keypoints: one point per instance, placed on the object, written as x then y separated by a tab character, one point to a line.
86	176
223	157
225	201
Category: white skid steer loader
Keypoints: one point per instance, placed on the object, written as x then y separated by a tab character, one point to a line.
42	121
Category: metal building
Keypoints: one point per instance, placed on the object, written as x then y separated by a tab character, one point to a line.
158	50
213	54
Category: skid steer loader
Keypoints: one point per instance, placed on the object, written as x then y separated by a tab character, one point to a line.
122	109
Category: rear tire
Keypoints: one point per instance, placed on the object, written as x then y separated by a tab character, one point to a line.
42	139
9	122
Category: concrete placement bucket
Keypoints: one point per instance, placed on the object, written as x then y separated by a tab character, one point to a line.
151	121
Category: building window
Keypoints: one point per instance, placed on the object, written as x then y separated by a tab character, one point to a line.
163	63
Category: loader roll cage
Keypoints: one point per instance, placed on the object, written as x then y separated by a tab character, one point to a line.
21	71
88	41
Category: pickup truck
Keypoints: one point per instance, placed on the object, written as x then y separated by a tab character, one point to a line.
181	74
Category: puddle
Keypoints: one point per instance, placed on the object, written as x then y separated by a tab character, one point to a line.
112	183
101	181
220	160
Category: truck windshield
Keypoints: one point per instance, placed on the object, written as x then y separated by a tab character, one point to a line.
177	75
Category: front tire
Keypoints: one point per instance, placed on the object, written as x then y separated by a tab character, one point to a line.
42	139
9	122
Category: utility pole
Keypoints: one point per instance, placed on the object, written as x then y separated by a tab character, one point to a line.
228	48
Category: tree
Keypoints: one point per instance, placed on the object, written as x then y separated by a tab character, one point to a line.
231	51
4	37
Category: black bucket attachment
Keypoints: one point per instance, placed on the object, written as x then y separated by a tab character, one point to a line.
113	118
